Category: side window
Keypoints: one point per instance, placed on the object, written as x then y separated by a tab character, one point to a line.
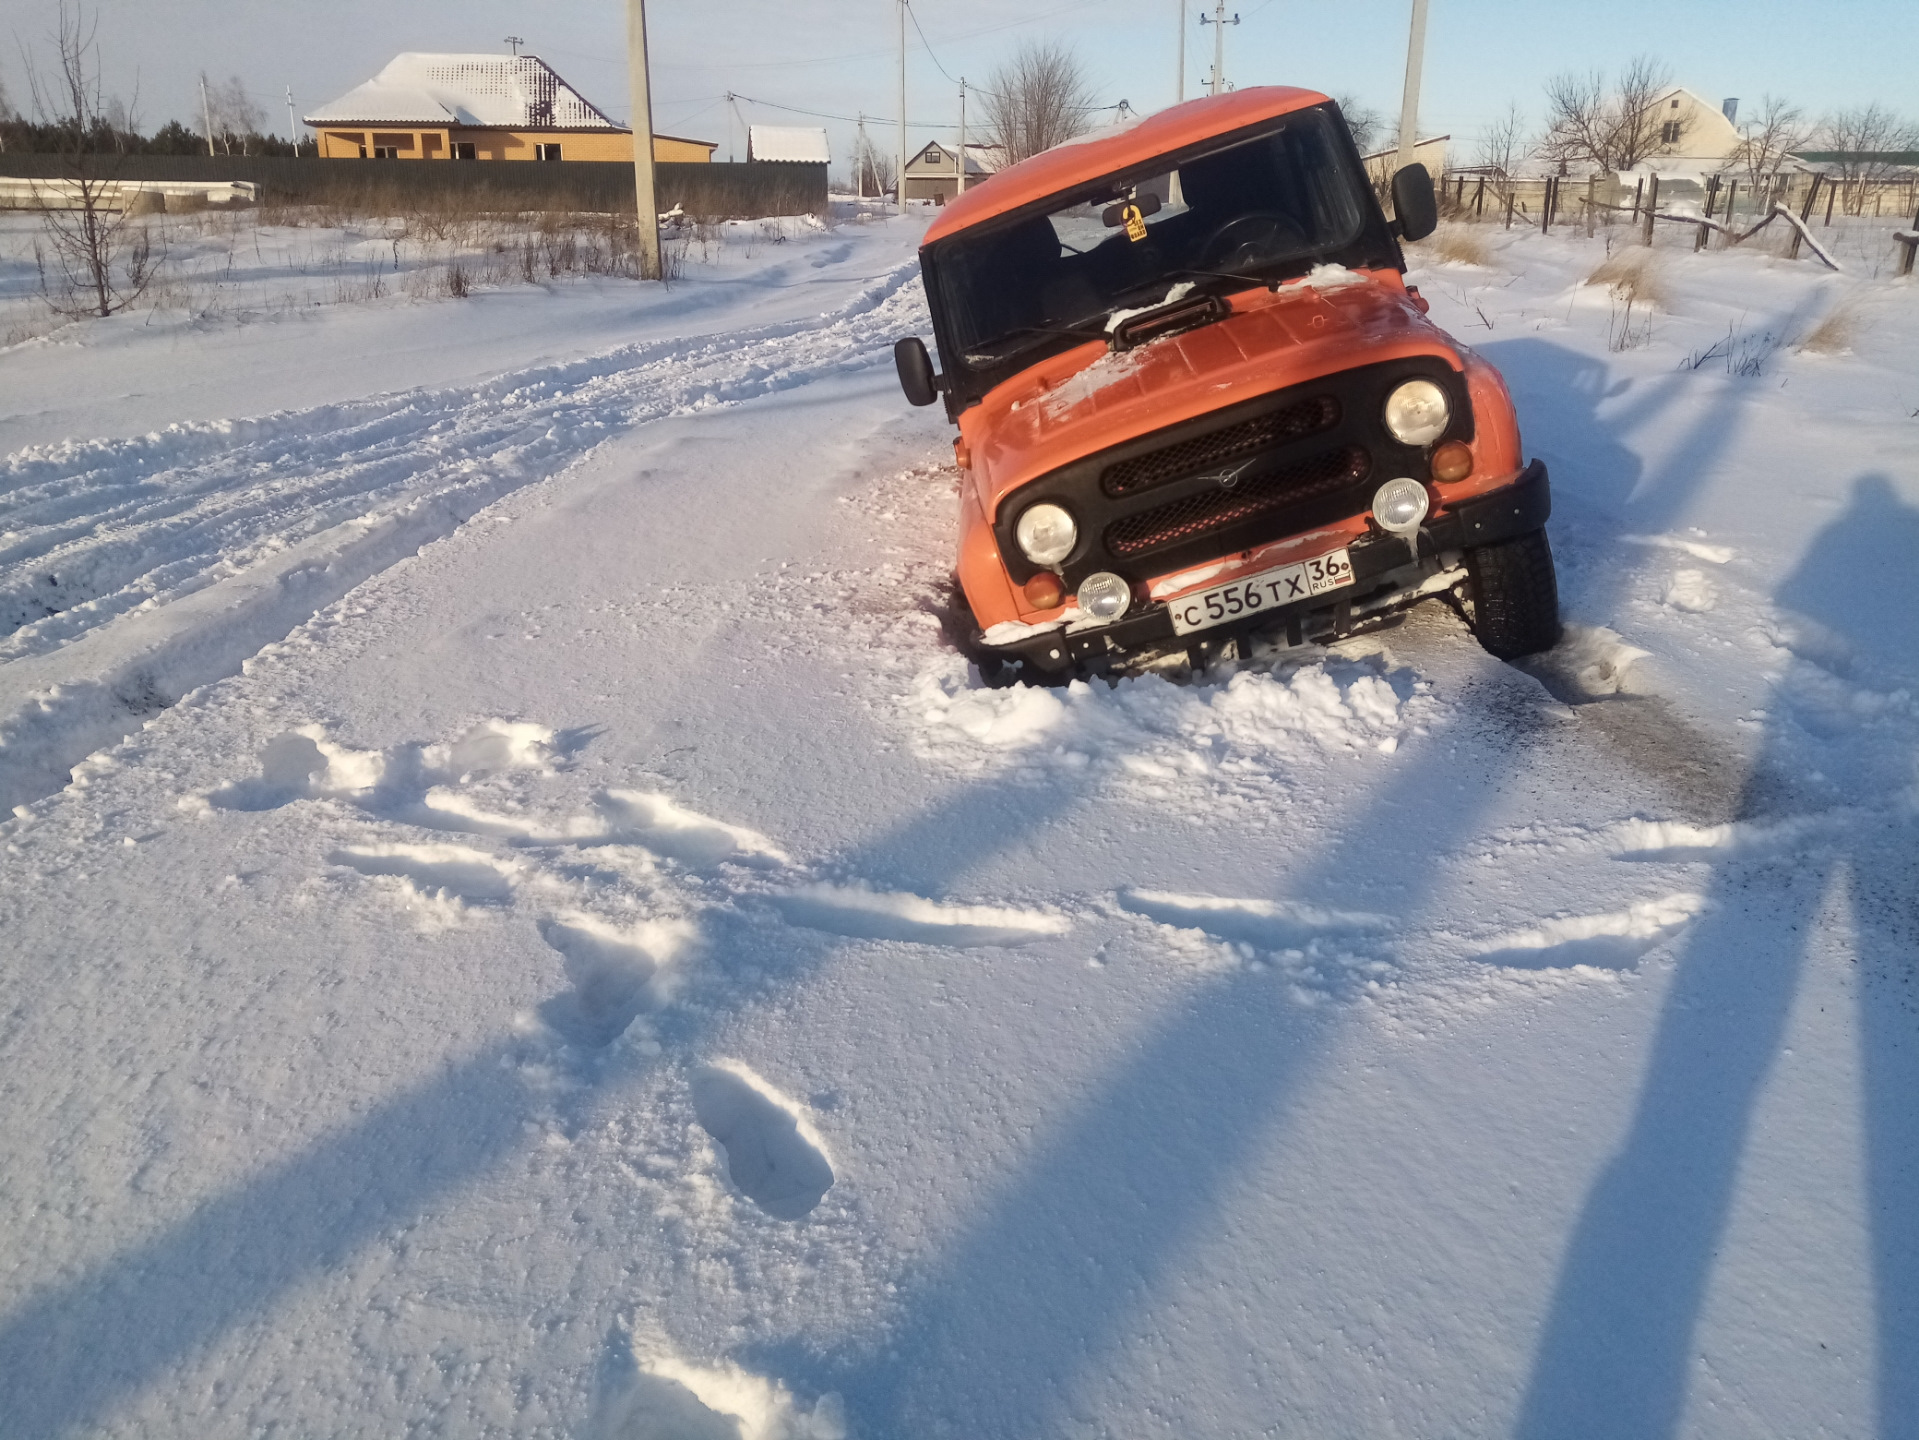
463	150
546	152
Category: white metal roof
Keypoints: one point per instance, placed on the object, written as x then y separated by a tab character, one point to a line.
520	92
981	159
788	142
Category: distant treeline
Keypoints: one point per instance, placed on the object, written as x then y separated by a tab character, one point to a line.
28	137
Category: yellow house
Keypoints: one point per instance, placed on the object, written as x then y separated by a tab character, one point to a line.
478	107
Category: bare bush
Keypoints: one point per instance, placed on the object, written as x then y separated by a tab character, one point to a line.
1038	99
1632	276
97	258
1458	244
1835	333
1611	128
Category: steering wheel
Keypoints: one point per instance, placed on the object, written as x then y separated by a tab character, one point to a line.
1245	239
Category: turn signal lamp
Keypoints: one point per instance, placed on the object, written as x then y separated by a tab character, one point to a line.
1044	591
1452	461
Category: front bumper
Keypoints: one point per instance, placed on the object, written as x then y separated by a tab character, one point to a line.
1512	510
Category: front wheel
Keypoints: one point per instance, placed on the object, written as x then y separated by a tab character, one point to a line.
1515	596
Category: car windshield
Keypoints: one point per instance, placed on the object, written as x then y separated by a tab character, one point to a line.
1261	208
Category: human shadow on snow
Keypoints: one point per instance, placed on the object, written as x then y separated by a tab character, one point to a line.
1617	1351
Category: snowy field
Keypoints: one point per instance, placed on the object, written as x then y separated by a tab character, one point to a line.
515	924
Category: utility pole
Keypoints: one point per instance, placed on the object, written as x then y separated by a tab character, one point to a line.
860	157
206	111
901	174
292	133
1179	92
516	41
962	152
1219	22
644	198
1409	104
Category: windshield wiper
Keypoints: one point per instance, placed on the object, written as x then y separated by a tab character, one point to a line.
1084	330
1238	277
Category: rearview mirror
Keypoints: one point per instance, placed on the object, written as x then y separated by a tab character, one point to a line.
1415	209
915	367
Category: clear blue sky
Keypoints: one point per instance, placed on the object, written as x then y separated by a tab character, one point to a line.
838	55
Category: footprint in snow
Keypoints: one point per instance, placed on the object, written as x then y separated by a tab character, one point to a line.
874	915
617	974
1263	924
435	871
773	1155
1613	941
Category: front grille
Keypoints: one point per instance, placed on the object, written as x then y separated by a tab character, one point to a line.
1139	472
1198	515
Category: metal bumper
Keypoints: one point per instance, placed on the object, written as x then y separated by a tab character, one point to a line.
1512	510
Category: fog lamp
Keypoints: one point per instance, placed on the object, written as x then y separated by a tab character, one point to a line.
1418	413
1452	461
1399	505
1104	596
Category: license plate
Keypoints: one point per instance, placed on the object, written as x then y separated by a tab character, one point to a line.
1268	590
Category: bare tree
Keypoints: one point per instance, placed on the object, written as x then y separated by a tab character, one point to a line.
1778	128
1867	139
874	170
1038	99
232	113
102	261
1612	128
1362	119
1503	144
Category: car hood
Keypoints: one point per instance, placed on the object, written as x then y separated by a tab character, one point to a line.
1090	398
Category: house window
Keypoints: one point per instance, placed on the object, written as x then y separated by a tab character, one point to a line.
934	156
1669	133
386	152
463	150
546	152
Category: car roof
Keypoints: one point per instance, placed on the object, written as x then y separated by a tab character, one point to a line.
1078	161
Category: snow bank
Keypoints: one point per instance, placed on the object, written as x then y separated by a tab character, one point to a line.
1150	726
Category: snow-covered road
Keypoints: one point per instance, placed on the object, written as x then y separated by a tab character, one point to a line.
555	944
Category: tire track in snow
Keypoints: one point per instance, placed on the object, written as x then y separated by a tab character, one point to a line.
171	559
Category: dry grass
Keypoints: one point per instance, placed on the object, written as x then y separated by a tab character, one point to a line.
1834	334
1632	275
1459	245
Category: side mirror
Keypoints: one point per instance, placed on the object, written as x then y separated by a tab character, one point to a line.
917	379
1415	209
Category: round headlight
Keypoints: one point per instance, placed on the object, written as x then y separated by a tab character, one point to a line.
1104	596
1399	505
1046	533
1417	413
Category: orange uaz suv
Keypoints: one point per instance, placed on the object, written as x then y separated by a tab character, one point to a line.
1197	401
